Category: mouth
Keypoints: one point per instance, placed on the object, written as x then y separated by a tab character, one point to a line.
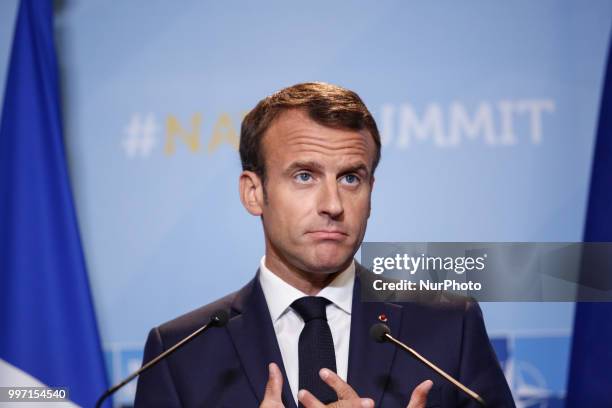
334	235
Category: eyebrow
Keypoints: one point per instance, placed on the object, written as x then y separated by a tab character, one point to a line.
313	165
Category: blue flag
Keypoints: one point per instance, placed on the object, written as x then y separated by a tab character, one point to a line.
48	332
590	379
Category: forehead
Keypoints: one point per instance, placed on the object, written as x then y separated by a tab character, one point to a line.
293	135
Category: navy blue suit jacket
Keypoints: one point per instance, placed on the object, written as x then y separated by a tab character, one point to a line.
228	367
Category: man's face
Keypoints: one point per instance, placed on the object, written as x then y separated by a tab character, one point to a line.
319	183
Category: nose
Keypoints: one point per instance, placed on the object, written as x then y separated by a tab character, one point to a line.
330	202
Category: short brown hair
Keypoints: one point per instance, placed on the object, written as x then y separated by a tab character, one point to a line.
328	105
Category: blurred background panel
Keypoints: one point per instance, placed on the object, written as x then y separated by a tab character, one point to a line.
488	112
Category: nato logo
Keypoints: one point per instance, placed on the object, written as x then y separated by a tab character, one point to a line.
536	368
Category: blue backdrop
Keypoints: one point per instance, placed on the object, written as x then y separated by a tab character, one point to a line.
488	112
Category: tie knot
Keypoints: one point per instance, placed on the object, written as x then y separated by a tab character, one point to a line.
311	307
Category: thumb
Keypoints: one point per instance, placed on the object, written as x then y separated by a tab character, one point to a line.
274	387
418	399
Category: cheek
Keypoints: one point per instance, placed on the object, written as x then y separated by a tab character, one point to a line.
286	210
295	202
359	207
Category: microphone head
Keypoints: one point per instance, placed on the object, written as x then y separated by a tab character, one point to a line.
378	332
219	318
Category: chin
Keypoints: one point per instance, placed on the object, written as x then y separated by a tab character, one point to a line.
328	264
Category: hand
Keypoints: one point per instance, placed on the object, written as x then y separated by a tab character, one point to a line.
418	399
347	397
274	388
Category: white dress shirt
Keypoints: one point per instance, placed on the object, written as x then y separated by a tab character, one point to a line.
288	324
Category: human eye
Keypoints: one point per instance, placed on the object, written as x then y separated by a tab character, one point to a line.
350	179
303	177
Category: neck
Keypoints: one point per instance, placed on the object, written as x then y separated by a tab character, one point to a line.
307	282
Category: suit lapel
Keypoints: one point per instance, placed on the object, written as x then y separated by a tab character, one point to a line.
253	335
370	362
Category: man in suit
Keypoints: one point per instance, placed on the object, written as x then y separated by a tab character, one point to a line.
298	333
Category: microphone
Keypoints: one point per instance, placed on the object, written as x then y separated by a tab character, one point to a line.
218	319
381	333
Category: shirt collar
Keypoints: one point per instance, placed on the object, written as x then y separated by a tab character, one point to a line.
280	295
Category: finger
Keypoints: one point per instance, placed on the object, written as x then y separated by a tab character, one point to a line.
418	399
274	386
308	400
343	390
352	403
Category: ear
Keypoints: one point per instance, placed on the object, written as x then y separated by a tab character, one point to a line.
251	192
372	179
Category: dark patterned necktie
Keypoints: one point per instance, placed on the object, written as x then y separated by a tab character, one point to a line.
315	347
